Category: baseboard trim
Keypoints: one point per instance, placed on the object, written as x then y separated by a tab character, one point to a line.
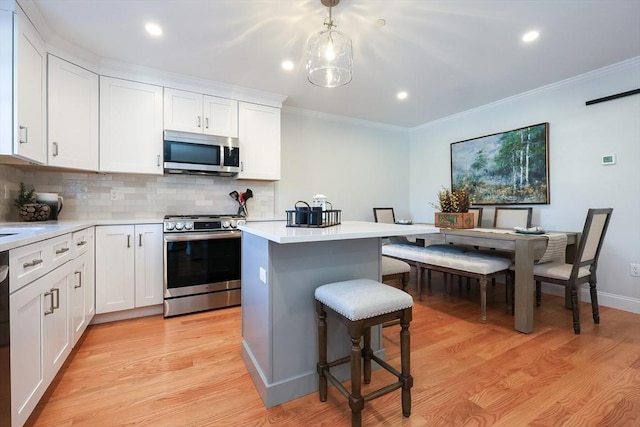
605	299
127	314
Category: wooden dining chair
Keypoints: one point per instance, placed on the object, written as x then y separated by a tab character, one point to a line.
504	217
385	215
583	269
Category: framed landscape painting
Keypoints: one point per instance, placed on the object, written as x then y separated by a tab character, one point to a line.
507	168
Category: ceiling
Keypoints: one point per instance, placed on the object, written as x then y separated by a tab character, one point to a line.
450	56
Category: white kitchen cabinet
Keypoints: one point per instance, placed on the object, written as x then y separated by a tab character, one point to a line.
40	339
259	134
130	127
72	115
193	112
22	69
129	266
82	285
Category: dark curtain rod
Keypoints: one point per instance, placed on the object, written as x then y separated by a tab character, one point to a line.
612	97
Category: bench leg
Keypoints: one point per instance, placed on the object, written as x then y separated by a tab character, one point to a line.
483	299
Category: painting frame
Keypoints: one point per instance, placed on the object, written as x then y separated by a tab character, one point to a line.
504	168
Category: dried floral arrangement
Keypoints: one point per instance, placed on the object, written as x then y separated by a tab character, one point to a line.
452	200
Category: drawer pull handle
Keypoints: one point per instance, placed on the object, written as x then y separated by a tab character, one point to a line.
140	239
61	251
128	240
26	135
32	263
79	285
55	149
57	291
82	243
51	309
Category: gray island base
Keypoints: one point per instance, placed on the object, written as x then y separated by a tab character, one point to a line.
281	268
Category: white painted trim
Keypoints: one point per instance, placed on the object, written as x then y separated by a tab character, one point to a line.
609	69
342	119
605	299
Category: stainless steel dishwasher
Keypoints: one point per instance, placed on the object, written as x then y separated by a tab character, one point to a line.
5	371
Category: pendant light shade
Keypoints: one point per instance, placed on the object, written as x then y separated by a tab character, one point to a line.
329	55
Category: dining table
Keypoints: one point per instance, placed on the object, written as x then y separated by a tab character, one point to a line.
527	249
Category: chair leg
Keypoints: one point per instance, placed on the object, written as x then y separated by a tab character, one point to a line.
405	361
594	299
483	299
575	308
419	272
322	353
356	401
366	355
538	293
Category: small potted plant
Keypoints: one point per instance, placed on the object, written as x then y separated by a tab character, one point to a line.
454	209
29	210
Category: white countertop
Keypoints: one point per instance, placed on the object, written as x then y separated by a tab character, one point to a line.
278	232
24	233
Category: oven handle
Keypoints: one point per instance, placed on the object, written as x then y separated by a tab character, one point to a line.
202	236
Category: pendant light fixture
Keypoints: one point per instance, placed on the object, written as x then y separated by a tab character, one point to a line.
329	54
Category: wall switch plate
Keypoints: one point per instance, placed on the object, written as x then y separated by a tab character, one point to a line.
634	270
263	275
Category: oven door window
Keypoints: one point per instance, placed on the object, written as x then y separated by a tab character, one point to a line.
201	262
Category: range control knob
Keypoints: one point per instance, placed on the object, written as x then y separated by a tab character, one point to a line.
226	224
169	226
233	223
240	222
179	225
188	225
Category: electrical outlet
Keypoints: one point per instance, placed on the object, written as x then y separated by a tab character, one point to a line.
634	270
114	195
263	275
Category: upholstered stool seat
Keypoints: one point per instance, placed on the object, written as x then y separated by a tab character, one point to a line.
395	269
361	304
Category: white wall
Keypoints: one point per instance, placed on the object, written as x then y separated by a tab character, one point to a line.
357	165
579	136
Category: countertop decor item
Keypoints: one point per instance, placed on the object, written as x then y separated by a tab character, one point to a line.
28	209
454	209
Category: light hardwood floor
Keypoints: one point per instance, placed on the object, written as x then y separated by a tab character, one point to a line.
187	371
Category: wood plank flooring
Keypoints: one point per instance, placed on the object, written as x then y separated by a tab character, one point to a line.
187	371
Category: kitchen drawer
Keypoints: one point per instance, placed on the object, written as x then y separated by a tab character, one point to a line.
27	263
81	241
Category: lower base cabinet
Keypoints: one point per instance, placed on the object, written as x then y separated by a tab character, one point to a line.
40	339
129	266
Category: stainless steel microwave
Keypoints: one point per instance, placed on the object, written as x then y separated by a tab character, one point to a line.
193	153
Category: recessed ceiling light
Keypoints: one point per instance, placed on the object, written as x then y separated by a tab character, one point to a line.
530	36
402	95
287	65
379	23
153	29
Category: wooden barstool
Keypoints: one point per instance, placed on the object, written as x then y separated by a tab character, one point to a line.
394	269
361	304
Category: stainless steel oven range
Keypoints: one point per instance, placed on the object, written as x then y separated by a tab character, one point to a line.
201	263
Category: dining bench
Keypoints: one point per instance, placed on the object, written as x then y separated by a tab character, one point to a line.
452	260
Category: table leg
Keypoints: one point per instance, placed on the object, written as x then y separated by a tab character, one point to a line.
524	297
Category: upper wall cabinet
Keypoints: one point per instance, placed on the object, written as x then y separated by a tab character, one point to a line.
72	115
130	127
259	134
193	112
20	40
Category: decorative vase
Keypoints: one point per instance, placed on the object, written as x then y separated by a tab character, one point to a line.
454	219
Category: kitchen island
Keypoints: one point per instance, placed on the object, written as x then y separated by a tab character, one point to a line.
281	268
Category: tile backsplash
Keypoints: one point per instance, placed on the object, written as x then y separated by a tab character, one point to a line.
92	195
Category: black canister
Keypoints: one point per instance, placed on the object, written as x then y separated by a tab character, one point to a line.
302	213
315	216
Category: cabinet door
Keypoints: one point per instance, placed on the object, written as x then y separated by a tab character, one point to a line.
259	133
72	115
89	278
27	355
56	328
115	279
30	142
77	296
130	127
183	111
220	116
149	264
